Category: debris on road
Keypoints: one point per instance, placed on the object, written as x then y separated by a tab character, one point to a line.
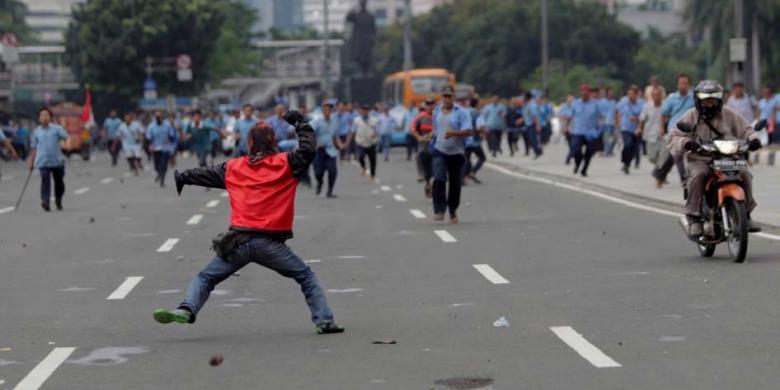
465	383
501	323
91	219
216	359
385	342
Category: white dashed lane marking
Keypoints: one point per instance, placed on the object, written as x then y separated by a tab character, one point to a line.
445	236
490	274
168	245
82	190
195	219
212	203
399	197
6	209
35	378
583	347
107	180
125	288
417	213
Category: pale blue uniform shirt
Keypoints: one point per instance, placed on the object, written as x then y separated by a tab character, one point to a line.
765	107
242	128
282	129
459	119
675	106
386	124
530	113
325	131
494	116
545	113
627	110
777	104
128	134
608	108
345	120
161	136
46	142
112	126
585	117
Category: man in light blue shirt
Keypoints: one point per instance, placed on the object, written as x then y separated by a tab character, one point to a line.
546	113
162	138
608	107
628	110
766	110
46	155
411	142
242	128
585	116
284	132
130	133
328	144
532	128
110	128
451	125
385	128
675	105
494	114
346	117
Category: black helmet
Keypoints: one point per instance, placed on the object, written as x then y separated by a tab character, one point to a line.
708	89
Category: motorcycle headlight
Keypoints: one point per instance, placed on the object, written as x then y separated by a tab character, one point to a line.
727	147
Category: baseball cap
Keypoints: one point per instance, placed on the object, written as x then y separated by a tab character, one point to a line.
448	90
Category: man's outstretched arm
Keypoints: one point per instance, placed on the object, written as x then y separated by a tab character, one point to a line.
302	157
210	177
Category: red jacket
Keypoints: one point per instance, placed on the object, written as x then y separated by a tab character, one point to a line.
262	193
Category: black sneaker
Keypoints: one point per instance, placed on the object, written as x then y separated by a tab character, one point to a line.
59	205
332	196
45	206
329	328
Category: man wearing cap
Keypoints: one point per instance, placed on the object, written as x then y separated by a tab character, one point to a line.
328	144
584	129
451	125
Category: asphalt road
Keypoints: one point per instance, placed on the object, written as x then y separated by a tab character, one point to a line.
555	263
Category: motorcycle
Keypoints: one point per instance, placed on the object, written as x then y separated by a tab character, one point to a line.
724	205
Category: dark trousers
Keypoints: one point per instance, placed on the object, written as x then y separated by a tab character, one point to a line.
546	134
114	151
570	154
473	168
494	141
58	174
531	140
411	146
425	163
161	159
513	135
21	150
323	162
203	156
447	168
630	147
371	153
580	159
662	172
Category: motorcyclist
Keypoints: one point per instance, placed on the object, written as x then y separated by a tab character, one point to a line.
710	120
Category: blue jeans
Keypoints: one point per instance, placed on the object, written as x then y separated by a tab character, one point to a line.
609	139
56	173
387	143
323	162
629	147
580	159
269	253
531	139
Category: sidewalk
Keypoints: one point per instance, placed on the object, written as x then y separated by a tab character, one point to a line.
605	173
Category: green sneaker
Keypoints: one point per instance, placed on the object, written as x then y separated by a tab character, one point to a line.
329	328
167	316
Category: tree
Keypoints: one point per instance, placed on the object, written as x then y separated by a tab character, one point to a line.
565	80
108	41
12	13
500	48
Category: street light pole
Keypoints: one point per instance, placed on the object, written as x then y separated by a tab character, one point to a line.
545	54
408	62
326	83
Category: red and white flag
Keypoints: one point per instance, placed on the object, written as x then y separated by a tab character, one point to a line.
87	116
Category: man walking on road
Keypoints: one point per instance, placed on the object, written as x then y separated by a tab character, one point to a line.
45	154
366	138
110	128
585	132
199	136
262	189
130	134
495	114
422	130
744	104
451	125
326	129
162	138
474	144
242	128
651	125
675	105
628	110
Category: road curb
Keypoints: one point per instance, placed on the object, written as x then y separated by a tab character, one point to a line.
577	182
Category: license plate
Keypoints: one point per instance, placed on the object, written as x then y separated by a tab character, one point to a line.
731	165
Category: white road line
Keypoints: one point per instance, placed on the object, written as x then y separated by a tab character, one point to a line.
583	347
224	194
125	288
445	236
399	197
212	203
490	274
610	198
127	174
312	261
82	190
7	209
107	180
385	188
417	213
35	378
195	219
168	245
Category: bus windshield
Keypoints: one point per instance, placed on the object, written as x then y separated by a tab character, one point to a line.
429	84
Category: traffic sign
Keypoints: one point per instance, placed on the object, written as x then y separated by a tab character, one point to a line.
9	39
183	61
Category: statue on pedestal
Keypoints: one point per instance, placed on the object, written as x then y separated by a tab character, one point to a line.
361	41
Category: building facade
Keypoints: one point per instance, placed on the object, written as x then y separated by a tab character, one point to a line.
49	19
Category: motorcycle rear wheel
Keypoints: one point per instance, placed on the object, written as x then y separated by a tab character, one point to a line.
706	250
738	238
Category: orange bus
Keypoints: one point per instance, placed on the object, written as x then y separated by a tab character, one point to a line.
412	87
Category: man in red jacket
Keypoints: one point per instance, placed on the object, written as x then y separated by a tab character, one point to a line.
262	188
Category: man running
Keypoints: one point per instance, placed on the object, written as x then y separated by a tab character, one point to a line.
199	136
130	134
675	105
110	128
585	115
328	145
262	189
46	155
366	137
421	129
162	138
628	110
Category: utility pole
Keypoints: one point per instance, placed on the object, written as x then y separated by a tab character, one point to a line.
755	46
326	82
545	54
739	33
408	62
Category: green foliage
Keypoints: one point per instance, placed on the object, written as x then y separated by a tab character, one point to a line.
12	13
666	57
565	80
108	41
500	47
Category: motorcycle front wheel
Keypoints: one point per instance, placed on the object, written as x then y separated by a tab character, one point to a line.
738	237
